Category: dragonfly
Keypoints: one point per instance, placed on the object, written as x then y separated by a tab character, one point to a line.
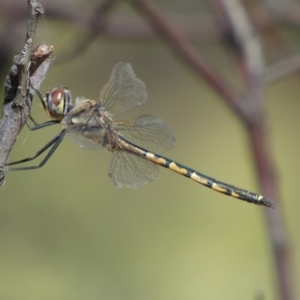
135	145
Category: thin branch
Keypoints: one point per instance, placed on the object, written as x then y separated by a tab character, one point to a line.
246	43
279	237
17	98
129	27
196	27
253	67
183	48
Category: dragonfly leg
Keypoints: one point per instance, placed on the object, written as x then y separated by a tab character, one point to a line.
42	125
54	143
36	125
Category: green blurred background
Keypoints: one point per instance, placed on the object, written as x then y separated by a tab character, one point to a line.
67	232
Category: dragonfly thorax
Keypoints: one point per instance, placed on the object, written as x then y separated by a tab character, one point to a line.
88	122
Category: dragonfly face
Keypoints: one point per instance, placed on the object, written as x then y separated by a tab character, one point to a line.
134	145
57	102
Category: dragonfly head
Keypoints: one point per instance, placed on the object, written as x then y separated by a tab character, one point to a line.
57	102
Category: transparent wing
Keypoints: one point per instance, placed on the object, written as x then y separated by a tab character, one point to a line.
130	170
87	133
123	91
148	132
84	141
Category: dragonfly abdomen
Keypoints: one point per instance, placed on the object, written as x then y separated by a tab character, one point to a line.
207	181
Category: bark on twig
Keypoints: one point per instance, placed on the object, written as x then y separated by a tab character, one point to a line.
28	66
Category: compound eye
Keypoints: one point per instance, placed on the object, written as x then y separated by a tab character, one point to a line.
58	102
56	95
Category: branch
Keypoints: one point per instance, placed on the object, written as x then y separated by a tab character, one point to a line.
245	43
183	48
249	48
17	99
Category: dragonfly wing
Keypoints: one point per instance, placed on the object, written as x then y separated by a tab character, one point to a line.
130	170
85	141
148	132
123	91
87	133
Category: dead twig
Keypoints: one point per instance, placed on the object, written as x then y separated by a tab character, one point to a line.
28	65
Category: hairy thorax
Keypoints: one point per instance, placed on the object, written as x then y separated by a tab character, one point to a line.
89	119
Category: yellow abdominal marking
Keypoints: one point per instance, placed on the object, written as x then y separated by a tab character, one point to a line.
218	188
157	160
175	168
233	194
199	179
